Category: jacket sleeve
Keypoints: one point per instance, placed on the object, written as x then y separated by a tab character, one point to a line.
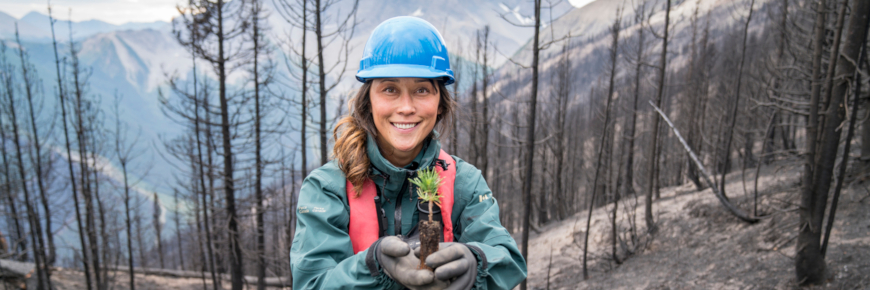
321	255
500	264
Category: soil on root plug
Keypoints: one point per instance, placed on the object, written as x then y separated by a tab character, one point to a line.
430	236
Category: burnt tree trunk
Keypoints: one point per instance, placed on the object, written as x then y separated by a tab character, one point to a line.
43	278
62	104
530	139
614	52
809	259
632	124
484	118
322	82
734	111
651	153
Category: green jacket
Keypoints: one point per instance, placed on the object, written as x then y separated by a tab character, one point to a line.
322	256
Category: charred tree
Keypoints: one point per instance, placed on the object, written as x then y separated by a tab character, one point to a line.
614	53
29	77
530	138
344	30
297	16
123	153
261	72
809	259
79	107
217	25
734	110
42	274
638	61
653	147
20	239
62	104
158	228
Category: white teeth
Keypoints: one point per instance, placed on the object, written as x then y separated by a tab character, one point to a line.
405	126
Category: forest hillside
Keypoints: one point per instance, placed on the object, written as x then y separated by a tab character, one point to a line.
180	148
699	246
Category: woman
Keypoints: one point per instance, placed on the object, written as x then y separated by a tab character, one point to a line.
357	215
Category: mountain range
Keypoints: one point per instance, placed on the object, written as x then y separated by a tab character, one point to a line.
135	60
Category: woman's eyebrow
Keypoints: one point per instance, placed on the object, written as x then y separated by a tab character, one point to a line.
390	80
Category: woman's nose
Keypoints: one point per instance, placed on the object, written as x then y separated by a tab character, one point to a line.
406	104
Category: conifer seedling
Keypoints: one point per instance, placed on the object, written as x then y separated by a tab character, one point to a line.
427	182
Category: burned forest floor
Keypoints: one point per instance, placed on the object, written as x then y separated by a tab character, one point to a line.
700	245
69	279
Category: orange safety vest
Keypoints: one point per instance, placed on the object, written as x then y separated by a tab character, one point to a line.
363	226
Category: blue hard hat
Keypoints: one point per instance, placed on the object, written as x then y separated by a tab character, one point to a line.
405	46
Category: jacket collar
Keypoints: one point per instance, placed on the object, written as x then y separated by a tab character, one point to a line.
382	167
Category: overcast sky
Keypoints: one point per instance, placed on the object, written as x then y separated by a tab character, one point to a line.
114	11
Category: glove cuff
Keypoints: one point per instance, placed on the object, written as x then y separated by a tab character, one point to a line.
482	265
372	259
374	266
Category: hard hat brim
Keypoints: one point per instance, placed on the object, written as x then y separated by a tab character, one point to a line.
404	71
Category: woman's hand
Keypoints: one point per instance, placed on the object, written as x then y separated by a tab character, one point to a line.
454	263
395	256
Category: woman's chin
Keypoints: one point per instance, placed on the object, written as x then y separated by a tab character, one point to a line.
406	149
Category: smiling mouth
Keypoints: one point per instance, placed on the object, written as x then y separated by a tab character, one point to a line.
405	125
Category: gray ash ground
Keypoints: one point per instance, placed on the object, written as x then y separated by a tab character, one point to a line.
700	245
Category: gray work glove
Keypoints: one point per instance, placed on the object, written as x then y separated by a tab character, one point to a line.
453	263
398	262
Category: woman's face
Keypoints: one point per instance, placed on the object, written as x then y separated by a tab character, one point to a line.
404	111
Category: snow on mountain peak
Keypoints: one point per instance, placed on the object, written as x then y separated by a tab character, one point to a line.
418	13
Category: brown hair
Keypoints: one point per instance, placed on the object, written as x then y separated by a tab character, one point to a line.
351	132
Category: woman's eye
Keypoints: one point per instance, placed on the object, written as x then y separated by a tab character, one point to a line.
390	90
422	91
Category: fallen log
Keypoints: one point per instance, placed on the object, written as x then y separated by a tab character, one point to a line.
17	275
269	281
731	208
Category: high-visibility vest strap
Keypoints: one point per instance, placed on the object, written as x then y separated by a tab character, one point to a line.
363	226
448	178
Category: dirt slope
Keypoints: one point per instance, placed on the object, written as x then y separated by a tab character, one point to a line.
66	279
701	246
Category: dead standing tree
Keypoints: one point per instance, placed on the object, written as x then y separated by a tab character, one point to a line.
31	88
652	157
344	29
216	25
188	108
296	14
457	66
42	272
694	110
258	40
530	132
124	153
83	109
562	89
62	104
20	241
158	228
614	53
734	110
530	138
478	131
261	73
818	173
638	59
